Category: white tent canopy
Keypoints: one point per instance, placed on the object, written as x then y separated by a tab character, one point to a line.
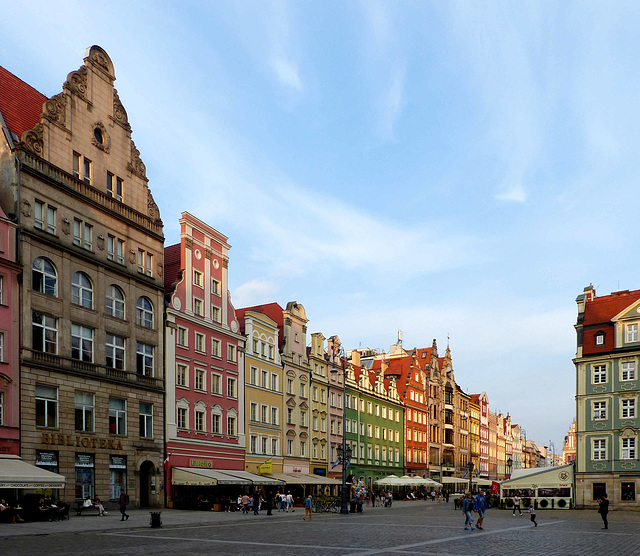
15	473
390	480
454	481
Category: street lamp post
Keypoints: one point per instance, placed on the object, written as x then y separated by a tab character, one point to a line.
344	450
509	464
470	468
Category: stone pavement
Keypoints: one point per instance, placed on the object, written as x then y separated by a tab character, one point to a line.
407	528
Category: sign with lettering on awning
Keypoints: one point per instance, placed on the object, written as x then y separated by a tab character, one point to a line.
15	473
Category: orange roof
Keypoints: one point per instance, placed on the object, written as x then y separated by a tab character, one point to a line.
601	310
271	310
20	103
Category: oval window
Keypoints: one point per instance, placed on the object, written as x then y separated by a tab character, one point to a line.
97	133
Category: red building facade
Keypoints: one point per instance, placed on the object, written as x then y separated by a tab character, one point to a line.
204	356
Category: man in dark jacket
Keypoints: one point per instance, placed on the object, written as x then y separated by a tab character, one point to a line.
603	510
123	501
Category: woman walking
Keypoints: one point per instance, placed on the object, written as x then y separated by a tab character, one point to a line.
468	507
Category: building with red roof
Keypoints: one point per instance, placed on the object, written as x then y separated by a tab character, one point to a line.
204	363
607	420
92	294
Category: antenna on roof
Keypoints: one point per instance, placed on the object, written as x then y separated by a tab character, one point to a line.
399	337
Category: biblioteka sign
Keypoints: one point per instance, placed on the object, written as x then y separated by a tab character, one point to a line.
54	439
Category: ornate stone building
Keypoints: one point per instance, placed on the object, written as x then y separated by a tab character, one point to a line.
91	244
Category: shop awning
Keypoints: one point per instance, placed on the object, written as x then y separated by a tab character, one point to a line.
304	479
454	480
203	476
15	473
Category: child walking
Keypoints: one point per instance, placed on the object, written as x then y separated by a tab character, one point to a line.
532	512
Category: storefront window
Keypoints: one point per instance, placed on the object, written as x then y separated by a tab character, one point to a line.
598	490
628	491
85	476
117	476
48	460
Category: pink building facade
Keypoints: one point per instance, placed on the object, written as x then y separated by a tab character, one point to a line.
9	340
204	358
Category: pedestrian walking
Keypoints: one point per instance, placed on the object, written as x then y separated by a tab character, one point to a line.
467	508
516	505
603	510
246	500
532	513
307	508
124	502
446	495
256	503
289	502
481	507
269	502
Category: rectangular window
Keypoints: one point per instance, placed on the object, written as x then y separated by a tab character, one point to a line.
231	353
275	383
599	374
215	348
216	423
289	386
182	337
264	379
115	352
303	449
264	414
599	449
599	411
82	168
145	262
44	331
146	420
274	446
1	408
216	384
253	376
628	491
199	342
289	447
45	217
84	411
182	418
216	314
81	343
215	287
181	375
314	420
198	381
632	333
198	278
628	409
253	411
253	444
198	307
303	390
117	476
82	234
303	419
115	186
628	448
289	416
115	249
628	371
86	174
314	394
199	421
144	359
231	426
46	406
117	416
85	476
232	391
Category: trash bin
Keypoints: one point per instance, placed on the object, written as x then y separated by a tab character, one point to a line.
155	519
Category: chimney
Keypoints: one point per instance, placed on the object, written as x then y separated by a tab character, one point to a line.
355	357
590	292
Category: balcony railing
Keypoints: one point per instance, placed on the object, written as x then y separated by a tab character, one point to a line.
66	364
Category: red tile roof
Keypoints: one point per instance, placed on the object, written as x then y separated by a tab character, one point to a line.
20	103
602	309
272	310
172	264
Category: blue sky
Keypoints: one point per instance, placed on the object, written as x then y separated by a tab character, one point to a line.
458	169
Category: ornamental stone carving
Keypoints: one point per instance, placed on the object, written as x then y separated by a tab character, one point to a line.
119	113
100	59
188	243
101	242
66	227
99	131
135	165
33	139
77	82
55	109
152	209
208	253
26	208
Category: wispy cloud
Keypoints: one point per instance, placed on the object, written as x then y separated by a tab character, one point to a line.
253	292
287	73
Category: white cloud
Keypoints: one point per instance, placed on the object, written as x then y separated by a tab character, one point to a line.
287	73
254	292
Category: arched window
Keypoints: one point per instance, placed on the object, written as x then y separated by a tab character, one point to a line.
144	312
82	290
44	277
115	302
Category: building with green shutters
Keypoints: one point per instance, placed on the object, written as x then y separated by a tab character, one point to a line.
608	350
375	422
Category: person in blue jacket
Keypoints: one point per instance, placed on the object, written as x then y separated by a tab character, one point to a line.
467	508
481	507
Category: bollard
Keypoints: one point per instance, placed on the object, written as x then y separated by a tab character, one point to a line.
156	522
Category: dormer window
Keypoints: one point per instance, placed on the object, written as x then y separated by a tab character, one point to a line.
632	333
600	339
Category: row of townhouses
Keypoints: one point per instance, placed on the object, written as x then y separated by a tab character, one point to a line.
124	364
